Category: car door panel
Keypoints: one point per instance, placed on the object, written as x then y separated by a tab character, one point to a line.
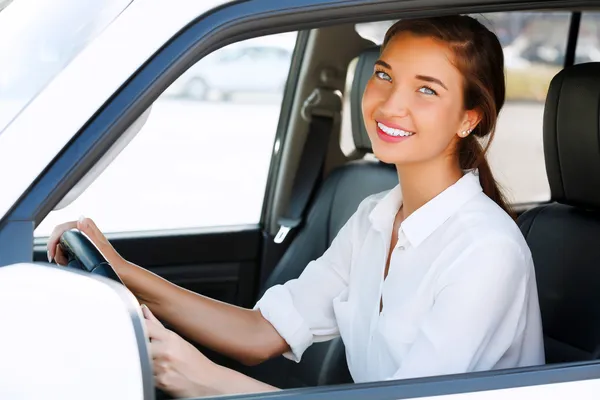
579	382
221	265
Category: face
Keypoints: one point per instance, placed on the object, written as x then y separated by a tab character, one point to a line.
413	104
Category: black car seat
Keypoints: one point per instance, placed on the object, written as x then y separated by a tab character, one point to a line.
564	235
336	200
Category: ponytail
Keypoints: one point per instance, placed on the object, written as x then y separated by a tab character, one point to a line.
471	156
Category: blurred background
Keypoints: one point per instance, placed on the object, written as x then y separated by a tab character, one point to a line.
202	158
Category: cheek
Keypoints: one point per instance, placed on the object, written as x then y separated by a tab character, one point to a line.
434	117
369	100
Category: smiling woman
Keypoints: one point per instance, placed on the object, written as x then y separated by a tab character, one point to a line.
417	94
534	47
430	278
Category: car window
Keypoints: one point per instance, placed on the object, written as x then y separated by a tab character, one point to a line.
534	46
202	157
228	55
588	40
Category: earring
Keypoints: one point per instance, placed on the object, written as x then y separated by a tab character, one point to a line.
465	132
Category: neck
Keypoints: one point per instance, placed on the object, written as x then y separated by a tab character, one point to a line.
422	182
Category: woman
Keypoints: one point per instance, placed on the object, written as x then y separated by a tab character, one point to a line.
432	277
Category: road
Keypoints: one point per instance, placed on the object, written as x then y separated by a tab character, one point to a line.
199	164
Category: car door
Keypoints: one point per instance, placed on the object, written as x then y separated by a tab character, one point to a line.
171	250
185	197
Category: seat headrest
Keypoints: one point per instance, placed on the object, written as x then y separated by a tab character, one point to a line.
362	74
572	136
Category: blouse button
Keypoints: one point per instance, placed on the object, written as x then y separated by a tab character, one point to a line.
400	247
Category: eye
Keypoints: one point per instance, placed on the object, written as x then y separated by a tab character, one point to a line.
427	90
383	75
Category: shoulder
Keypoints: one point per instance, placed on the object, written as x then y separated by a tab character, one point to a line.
370	202
362	216
484	238
482	221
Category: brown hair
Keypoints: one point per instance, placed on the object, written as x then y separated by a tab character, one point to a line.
480	59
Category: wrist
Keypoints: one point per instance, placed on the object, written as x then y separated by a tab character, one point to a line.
212	377
122	268
219	380
206	381
118	263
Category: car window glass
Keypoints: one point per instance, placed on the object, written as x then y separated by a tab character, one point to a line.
534	46
231	55
588	40
203	156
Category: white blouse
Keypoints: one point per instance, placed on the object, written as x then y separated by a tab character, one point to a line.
460	294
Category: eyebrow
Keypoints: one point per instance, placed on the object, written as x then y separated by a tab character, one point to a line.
424	78
431	79
383	64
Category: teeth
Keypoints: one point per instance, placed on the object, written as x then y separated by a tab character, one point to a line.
392	131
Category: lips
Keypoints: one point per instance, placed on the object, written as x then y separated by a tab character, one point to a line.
392	133
393	130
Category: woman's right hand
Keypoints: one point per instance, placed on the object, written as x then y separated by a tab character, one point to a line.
89	228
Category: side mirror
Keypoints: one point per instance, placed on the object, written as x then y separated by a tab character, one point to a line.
68	335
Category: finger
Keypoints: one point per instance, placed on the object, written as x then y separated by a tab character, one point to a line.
155	331
148	314
55	237
162	372
155	349
159	352
89	227
59	256
91	230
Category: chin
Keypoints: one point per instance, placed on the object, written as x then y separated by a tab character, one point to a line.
389	155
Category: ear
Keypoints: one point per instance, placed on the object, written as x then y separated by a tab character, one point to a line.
470	120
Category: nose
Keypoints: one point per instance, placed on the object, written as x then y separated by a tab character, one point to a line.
396	103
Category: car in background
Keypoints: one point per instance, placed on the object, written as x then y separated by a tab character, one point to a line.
217	76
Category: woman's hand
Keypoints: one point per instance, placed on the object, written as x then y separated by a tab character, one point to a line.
179	368
87	226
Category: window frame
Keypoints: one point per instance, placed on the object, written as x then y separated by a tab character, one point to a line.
294	61
226	24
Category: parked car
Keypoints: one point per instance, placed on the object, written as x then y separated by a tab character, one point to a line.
205	187
217	75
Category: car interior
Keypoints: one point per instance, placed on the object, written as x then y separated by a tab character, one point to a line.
560	232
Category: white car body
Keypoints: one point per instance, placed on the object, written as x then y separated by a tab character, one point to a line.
65	105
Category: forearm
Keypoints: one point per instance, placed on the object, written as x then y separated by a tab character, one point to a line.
237	332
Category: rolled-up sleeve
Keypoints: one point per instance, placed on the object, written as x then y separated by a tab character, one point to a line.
478	311
301	310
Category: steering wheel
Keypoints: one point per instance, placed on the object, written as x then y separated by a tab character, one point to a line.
82	254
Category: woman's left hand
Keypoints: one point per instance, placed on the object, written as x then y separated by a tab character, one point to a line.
179	368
